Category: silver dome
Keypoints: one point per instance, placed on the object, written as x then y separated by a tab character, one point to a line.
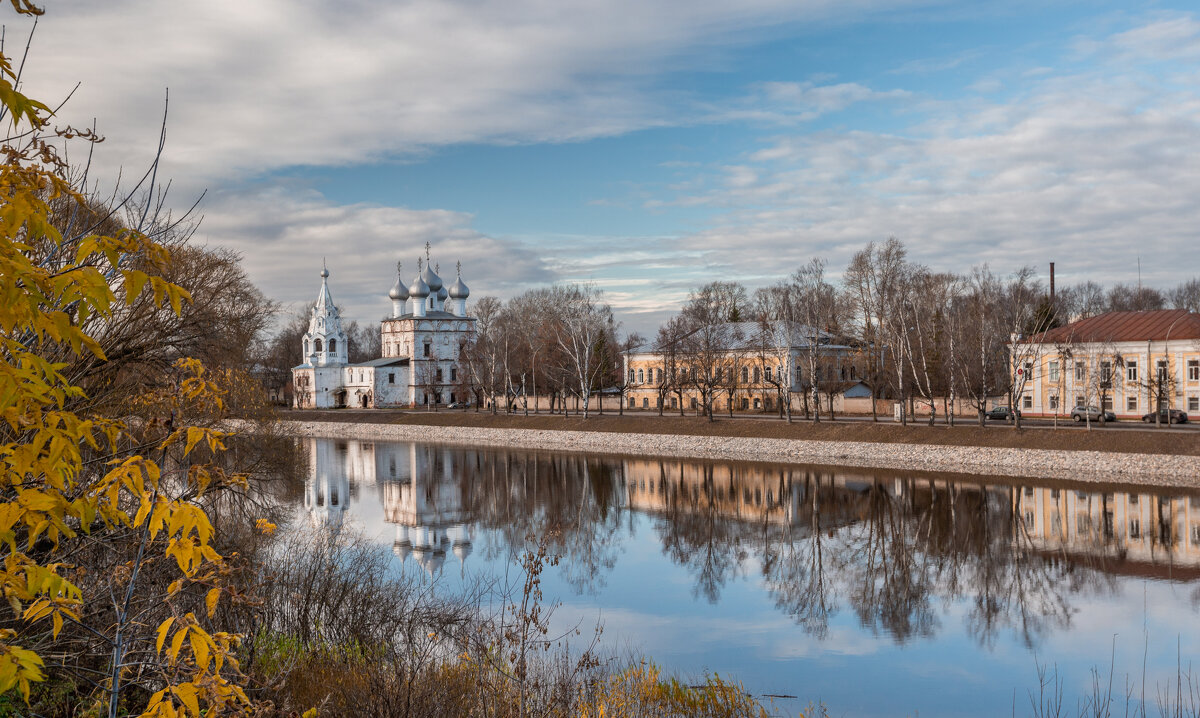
442	294
458	290
399	291
431	278
418	289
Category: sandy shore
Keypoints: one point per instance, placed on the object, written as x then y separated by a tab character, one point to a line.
1157	469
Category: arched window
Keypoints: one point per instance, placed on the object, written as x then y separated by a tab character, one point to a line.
630	376
756	375
641	376
333	345
317	343
306	347
659	374
745	374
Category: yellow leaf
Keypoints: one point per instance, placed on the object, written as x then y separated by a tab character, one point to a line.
176	644
194	435
162	633
187	695
211	600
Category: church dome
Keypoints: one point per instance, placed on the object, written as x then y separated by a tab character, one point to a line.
458	290
432	279
418	289
399	291
442	294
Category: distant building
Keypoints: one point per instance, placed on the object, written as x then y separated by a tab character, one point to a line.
1126	362
421	343
754	367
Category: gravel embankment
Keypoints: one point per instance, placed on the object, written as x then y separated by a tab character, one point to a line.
1159	469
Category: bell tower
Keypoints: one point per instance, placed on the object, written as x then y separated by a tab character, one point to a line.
325	342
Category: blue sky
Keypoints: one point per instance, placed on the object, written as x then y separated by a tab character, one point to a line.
649	146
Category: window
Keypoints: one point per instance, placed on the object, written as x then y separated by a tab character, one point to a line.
756	404
317	344
428	347
1105	372
658	373
1133	499
1053	371
1196	534
693	402
1054	403
631	375
1029	370
306	346
1131	403
438	375
1108	403
1135	528
632	402
756	375
1131	370
1083	523
1193	368
1027	401
645	403
333	345
1079	401
767	373
1028	491
745	403
1160	367
1080	371
391	378
453	374
745	374
1194	403
641	376
1028	519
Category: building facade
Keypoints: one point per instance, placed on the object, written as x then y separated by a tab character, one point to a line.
1126	362
749	367
421	342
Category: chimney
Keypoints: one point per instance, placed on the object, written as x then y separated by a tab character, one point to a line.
1052	284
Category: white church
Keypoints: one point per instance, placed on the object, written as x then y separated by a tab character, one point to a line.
421	343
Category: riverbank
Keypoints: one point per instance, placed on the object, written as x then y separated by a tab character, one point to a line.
1174	459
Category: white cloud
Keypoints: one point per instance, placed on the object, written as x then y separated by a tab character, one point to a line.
1090	169
285	233
266	84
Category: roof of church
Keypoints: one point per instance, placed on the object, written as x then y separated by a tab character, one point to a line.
386	361
431	314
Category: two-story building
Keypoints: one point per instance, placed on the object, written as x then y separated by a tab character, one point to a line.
1127	362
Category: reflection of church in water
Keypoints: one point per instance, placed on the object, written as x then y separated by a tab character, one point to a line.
416	488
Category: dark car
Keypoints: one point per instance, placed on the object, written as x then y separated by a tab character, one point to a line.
1091	413
1000	413
1174	417
457	405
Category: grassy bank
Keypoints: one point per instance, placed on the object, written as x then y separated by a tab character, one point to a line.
1109	439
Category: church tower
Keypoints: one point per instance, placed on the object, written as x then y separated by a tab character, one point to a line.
325	342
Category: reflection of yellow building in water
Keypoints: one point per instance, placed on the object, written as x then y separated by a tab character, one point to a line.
1151	533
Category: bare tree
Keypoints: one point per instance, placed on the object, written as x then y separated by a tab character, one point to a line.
582	322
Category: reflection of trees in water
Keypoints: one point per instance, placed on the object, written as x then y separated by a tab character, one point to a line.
696	535
571	499
899	552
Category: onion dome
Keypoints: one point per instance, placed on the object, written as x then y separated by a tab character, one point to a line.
462	549
399	292
431	278
324	273
442	294
458	290
418	289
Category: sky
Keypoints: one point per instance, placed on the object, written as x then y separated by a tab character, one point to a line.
644	146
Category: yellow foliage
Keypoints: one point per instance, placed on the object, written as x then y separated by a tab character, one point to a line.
48	492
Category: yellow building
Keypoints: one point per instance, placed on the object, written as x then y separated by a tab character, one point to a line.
1127	362
752	366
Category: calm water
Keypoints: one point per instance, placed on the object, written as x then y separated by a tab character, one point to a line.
878	593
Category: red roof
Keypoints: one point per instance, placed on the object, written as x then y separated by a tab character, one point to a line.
1157	325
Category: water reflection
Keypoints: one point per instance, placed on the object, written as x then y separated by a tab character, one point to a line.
895	552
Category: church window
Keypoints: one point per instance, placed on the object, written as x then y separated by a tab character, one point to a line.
333	345
391	378
306	351
317	343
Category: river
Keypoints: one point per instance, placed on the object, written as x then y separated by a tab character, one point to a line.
876	592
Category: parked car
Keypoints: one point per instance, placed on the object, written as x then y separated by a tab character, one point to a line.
1000	413
1092	413
1175	417
457	405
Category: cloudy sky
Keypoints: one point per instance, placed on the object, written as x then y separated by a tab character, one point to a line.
644	145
